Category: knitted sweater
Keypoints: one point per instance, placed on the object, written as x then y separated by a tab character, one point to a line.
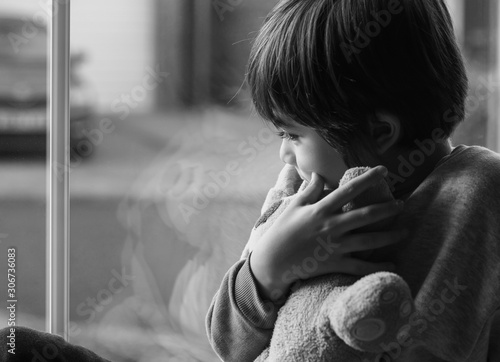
451	262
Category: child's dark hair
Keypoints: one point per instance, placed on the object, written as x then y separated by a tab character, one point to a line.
332	64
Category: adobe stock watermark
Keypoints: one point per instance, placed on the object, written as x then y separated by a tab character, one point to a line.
130	100
412	333
223	6
372	29
92	306
416	158
296	274
122	105
31	28
221	179
49	352
85	146
424	149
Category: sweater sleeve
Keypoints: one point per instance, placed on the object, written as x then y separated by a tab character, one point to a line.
239	322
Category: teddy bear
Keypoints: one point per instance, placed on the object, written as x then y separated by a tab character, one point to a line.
336	317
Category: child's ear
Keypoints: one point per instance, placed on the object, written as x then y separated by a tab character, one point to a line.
385	131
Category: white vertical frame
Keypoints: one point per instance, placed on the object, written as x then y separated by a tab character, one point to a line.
493	130
57	265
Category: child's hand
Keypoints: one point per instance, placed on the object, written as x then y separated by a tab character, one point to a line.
313	237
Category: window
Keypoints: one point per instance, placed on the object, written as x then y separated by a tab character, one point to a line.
162	147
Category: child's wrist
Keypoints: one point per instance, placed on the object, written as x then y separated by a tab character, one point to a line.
275	292
269	287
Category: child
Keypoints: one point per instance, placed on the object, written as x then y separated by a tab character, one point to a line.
366	83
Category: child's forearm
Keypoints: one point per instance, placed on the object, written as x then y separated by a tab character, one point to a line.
240	322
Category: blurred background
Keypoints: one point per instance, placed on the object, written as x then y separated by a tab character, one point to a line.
163	143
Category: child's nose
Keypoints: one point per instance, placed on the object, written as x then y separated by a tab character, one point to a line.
286	153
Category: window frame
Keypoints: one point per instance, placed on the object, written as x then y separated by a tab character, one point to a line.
57	215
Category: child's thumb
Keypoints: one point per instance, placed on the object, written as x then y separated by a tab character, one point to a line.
313	191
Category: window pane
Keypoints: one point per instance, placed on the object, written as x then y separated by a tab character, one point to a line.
160	200
476	28
23	127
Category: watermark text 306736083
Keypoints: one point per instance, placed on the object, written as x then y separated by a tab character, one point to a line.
11	299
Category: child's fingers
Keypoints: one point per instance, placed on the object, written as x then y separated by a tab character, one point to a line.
369	241
342	195
367	215
361	267
313	191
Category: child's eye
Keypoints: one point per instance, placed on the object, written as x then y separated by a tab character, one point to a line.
288	136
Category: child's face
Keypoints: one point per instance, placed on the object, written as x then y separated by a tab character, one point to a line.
303	148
